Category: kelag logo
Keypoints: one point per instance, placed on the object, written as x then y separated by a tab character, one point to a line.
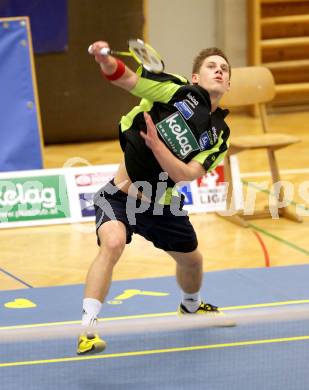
177	135
32	198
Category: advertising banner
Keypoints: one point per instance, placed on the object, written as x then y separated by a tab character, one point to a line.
207	193
54	196
84	183
33	198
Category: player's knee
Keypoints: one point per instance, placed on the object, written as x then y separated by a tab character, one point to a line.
195	261
114	245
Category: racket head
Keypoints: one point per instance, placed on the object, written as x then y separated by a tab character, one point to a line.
146	55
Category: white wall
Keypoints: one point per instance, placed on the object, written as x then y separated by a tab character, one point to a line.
232	30
179	29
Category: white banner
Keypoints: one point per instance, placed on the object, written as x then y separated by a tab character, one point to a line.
65	195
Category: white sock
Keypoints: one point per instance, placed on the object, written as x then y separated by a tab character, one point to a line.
191	301
91	309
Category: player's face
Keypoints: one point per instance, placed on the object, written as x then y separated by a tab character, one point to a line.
213	75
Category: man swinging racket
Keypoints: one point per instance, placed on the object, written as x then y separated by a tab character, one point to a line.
176	134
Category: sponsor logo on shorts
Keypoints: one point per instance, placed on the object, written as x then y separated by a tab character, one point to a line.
177	135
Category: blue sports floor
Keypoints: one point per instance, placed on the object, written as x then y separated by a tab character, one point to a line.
268	355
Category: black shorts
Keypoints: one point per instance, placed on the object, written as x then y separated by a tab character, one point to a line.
167	231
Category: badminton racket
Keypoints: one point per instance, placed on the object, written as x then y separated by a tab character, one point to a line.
142	52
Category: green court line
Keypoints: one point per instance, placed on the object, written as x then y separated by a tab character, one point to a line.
300	206
283	241
156	351
153	315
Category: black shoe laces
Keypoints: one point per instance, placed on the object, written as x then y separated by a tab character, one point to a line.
207	307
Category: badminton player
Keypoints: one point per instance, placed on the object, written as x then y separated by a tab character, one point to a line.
176	134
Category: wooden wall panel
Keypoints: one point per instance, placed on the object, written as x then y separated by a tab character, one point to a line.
76	104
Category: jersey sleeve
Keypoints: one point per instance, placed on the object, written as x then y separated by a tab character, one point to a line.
211	158
157	88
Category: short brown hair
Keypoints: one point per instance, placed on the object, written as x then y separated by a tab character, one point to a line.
211	51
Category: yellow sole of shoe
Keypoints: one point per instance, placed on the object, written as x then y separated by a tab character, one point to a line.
96	348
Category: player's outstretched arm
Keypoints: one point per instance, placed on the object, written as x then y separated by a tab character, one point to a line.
113	68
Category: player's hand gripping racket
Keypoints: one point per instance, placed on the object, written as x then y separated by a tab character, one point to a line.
143	54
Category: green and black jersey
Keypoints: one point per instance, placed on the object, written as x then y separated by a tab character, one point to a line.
184	121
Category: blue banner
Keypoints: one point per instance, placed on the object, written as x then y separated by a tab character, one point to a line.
48	19
20	143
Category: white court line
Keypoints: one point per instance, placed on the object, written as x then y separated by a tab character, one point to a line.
267	173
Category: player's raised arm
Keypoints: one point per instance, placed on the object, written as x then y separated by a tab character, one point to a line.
113	68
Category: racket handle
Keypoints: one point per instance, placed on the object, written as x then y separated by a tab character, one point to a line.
104	52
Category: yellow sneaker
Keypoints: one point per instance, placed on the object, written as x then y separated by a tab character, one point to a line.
90	343
209	310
